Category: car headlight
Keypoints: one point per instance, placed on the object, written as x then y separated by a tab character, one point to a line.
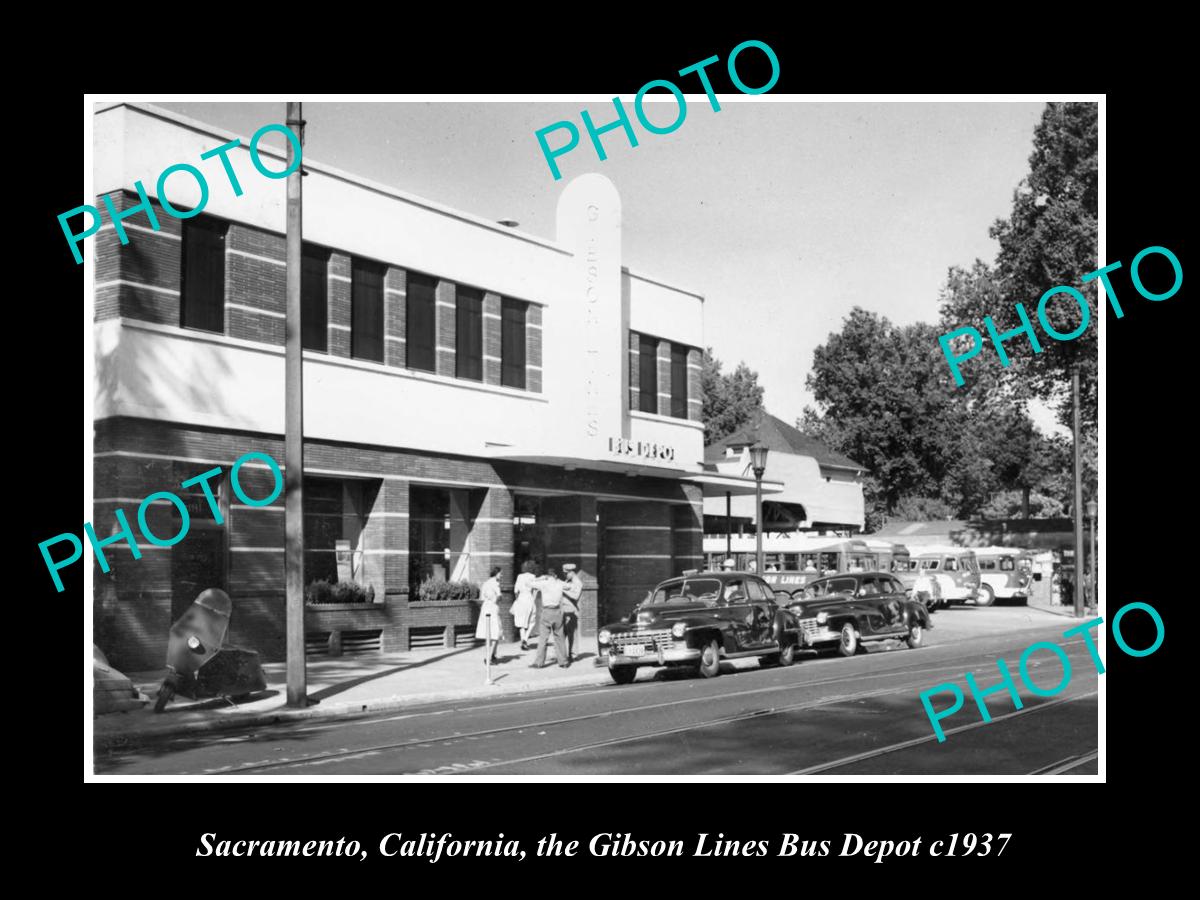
678	629
798	610
822	618
604	637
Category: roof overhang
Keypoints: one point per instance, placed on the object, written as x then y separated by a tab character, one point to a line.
714	483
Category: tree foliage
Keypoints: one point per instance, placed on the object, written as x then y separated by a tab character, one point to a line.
884	398
1049	239
730	400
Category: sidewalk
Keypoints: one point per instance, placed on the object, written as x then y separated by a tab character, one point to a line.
1089	612
354	686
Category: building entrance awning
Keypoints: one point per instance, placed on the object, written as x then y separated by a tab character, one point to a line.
714	483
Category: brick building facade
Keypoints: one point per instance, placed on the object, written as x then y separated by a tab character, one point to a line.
474	396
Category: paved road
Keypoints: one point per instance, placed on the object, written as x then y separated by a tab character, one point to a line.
823	715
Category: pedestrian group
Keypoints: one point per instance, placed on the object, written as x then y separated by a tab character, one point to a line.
544	604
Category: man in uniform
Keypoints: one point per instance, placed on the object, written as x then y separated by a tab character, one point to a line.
551	622
572	591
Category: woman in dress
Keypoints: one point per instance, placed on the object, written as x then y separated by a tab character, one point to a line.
523	606
489	612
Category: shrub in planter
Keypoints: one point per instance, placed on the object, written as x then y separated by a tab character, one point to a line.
437	590
322	592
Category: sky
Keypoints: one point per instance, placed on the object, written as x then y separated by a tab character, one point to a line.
784	215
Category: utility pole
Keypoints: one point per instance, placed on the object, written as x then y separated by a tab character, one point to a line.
1077	503
293	428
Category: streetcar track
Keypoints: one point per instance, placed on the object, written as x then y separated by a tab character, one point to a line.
904	669
904	745
607	713
723	720
1065	765
324	758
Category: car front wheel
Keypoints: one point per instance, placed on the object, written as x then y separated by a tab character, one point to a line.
986	596
710	659
848	645
916	634
623	674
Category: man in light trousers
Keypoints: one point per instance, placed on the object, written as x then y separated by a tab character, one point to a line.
551	622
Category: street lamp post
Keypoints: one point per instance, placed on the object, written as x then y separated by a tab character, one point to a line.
1094	576
758	461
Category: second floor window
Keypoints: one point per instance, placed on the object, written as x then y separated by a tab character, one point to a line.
421	313
512	343
647	374
314	309
366	310
469	334
679	381
202	298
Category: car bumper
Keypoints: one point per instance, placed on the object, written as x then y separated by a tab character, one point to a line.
820	636
655	658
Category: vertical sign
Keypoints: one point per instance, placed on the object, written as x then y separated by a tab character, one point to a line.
588	345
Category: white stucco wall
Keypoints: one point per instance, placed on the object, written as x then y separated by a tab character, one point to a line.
179	375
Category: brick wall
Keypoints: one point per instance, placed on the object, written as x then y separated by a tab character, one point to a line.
637	553
395	314
664	378
445	328
635	370
695	385
142	280
138	599
533	348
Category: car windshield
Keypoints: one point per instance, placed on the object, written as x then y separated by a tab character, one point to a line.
688	589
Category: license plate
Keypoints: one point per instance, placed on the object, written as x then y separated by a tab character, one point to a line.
634	650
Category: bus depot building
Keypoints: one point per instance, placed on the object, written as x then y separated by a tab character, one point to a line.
473	396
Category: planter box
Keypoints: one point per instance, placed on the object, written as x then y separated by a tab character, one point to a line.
451	617
343	627
337	628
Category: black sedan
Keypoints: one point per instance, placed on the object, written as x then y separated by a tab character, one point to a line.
846	611
697	620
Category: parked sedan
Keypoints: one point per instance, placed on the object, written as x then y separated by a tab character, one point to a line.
846	611
696	621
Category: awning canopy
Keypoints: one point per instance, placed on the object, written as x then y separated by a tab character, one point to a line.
715	484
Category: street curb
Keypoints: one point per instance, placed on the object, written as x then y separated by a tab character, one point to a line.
102	738
1063	613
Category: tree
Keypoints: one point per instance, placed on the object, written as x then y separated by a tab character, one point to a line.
730	401
883	398
1049	239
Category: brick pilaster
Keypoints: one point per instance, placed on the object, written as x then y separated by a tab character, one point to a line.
664	378
533	348
339	305
445	328
491	338
695	385
395	311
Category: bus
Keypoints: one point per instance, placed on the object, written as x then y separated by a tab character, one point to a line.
956	570
792	560
1005	573
892	557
